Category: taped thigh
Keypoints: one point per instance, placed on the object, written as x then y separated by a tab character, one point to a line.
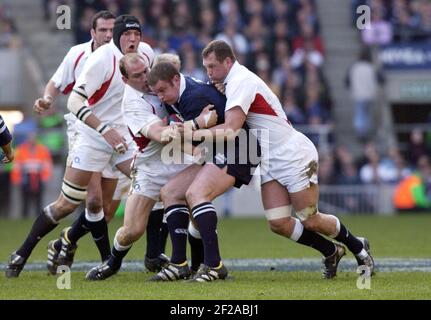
73	193
278	213
307	212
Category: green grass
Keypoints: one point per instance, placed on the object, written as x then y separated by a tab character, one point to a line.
245	286
405	236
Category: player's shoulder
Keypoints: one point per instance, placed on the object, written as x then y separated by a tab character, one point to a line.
77	50
145	50
131	93
103	56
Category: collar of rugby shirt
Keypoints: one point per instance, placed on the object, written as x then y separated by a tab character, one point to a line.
231	73
182	87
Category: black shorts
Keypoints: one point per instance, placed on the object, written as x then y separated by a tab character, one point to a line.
241	157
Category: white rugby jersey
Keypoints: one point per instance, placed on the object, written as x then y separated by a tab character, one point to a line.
69	70
140	111
101	78
260	104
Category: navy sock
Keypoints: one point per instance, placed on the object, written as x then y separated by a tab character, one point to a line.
316	241
197	252
177	217
41	227
116	258
344	236
164	232
79	229
153	233
206	218
99	231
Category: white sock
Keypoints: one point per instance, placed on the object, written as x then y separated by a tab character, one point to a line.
94	217
297	230
118	246
337	228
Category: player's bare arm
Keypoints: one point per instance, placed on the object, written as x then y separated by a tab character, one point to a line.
234	120
76	104
49	95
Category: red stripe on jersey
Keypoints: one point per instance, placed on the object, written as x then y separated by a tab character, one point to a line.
141	141
101	92
259	105
148	58
70	86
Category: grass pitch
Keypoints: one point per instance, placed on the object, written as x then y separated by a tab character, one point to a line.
404	236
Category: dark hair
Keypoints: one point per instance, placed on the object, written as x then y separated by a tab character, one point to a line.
163	71
221	50
104	14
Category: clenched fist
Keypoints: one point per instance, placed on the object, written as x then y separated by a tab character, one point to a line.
42	104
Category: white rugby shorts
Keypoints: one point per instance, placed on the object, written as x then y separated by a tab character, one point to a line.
148	177
91	152
123	187
294	164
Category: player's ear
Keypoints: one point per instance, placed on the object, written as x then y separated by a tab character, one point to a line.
177	78
124	79
93	33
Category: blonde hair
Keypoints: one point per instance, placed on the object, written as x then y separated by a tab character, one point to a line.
170	58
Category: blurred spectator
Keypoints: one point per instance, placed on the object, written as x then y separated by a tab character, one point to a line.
8	36
414	192
235	39
190	67
327	175
345	166
417	146
380	31
31	170
425	20
305	54
82	33
363	81
377	170
404	27
307	34
402	21
396	161
293	112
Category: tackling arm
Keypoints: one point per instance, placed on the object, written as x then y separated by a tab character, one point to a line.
234	120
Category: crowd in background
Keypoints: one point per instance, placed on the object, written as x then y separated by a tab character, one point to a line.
277	39
9	37
398	21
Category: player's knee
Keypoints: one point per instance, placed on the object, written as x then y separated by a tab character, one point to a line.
167	193
62	208
94	204
133	233
312	223
280	226
195	194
